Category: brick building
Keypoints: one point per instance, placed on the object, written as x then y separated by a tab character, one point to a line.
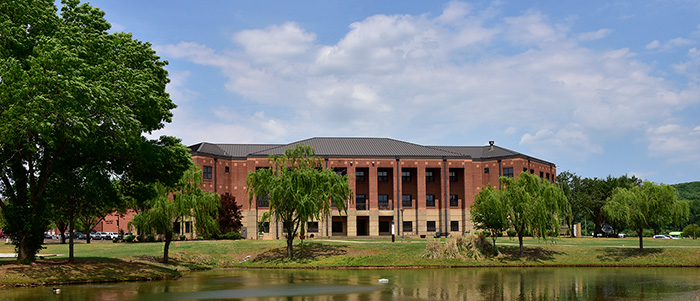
419	190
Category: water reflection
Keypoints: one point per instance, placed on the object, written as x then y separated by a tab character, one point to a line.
424	284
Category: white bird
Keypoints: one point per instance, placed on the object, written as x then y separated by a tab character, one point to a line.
56	290
383	280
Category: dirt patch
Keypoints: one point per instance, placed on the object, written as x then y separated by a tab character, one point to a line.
59	271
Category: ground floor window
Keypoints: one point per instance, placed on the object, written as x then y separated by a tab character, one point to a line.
312	227
431	226
337	227
384	226
454	200
454	226
407	226
264	227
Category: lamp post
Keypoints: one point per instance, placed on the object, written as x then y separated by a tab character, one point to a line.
402	229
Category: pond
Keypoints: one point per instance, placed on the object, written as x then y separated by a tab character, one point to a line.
416	284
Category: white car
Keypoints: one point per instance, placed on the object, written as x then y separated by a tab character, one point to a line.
662	236
112	235
96	235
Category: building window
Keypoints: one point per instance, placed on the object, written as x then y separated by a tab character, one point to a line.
541	174
312	227
406	200
360	202
264	227
340	171
188	227
407	226
206	172
454	200
508	172
454	226
226	194
532	171
406	176
486	170
337	227
431	226
226	169
547	177
360	176
524	169
453	176
430	200
383	202
429	176
263	201
382	176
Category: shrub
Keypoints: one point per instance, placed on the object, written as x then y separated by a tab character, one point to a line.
150	238
688	230
115	240
129	238
647	233
499	234
183	237
511	233
231	235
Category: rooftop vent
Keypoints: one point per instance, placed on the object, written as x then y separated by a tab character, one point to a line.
491	143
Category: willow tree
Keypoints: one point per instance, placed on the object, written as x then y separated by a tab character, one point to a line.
489	213
173	204
533	206
299	190
638	207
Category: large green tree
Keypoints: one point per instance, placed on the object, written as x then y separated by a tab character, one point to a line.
298	189
489	213
67	85
573	187
174	204
533	206
640	207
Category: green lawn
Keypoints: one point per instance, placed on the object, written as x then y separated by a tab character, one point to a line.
383	253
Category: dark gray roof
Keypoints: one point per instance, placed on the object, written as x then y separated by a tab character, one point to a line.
228	150
354	147
479	153
363	147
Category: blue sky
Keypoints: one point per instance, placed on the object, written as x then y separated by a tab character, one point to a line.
597	87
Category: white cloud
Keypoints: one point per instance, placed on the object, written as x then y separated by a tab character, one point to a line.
669	45
275	43
595	35
570	140
177	87
415	76
675	143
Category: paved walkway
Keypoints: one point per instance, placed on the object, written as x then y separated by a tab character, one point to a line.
14	255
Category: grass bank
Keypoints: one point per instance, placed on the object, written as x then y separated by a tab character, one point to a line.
106	261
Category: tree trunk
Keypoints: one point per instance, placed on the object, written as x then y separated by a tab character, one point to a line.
641	241
24	251
520	240
290	245
70	238
166	248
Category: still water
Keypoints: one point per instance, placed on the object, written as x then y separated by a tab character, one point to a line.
423	284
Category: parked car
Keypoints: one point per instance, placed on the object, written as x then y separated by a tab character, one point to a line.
47	236
95	235
3	235
105	235
76	235
660	236
621	235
